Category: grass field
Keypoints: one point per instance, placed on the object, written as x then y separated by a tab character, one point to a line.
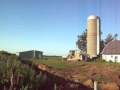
58	63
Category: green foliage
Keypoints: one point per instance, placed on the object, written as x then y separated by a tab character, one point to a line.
82	41
55	62
5	53
82	64
115	36
102	45
15	75
110	61
58	63
110	37
100	59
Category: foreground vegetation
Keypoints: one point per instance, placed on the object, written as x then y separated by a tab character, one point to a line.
17	76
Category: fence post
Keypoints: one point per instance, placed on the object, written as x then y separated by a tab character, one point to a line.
95	85
55	87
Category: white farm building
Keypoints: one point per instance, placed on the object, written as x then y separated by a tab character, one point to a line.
111	52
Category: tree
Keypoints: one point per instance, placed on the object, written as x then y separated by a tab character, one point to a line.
82	41
110	37
115	36
102	45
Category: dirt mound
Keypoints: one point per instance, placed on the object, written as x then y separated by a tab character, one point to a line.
108	86
89	83
42	66
116	79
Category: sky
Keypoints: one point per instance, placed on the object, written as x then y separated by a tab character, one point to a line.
52	26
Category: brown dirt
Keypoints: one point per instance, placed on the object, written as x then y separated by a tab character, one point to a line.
89	83
108	86
107	76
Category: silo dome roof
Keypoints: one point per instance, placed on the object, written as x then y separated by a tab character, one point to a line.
93	17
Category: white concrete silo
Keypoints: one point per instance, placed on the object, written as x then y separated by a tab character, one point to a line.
93	36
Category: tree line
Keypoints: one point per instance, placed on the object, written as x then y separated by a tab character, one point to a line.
82	41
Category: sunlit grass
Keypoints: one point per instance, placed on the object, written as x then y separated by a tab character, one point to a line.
58	63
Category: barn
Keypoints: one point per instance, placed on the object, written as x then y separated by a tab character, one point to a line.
111	52
31	54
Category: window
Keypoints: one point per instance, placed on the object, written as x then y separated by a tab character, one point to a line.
116	58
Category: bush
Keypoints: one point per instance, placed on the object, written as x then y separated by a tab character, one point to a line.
100	59
15	75
82	64
110	61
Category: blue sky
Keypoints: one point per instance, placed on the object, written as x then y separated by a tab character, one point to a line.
52	26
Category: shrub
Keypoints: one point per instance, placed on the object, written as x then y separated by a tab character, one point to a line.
100	59
110	61
82	64
15	75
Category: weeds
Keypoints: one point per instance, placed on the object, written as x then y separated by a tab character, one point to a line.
14	74
82	64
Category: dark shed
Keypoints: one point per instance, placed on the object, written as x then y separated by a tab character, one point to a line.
31	54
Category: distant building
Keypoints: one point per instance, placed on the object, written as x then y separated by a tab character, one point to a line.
31	54
111	52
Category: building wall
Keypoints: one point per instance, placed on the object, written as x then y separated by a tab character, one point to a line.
114	58
26	54
31	54
38	54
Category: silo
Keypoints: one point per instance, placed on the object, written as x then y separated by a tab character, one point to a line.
93	36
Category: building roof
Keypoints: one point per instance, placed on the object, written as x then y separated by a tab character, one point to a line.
93	17
112	47
31	51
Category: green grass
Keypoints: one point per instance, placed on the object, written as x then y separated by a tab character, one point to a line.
57	63
54	62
